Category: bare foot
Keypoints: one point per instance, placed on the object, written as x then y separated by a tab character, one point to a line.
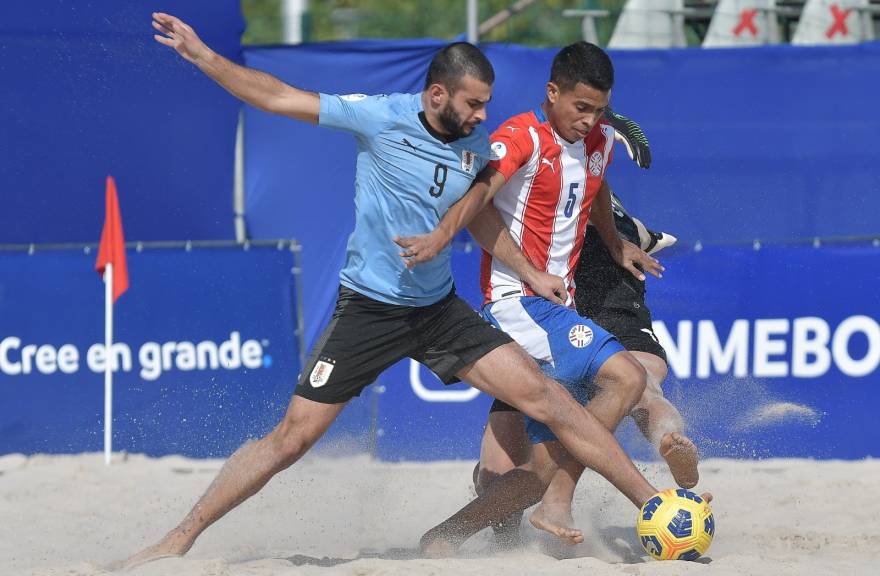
682	457
171	546
556	522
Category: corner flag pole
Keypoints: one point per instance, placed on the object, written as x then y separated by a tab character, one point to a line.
111	258
108	366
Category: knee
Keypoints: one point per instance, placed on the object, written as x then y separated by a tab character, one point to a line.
288	444
653	389
545	473
630	381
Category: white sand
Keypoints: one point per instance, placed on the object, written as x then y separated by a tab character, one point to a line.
70	515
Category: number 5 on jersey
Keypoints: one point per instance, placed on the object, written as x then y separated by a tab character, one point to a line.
572	199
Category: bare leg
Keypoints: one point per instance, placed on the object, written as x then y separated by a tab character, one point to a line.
620	383
503	448
510	375
663	426
245	473
547	401
552	515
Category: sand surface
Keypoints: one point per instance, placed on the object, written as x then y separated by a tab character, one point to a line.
72	516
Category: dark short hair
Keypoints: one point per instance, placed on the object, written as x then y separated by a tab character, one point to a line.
585	63
455	61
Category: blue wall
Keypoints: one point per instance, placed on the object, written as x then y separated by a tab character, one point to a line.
772	143
87	92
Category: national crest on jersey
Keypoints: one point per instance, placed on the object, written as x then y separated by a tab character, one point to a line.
546	201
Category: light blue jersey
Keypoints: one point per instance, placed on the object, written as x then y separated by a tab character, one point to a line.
407	178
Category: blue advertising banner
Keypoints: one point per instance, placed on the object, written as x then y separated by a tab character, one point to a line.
773	352
204	354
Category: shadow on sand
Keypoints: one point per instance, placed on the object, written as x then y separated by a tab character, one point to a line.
326	562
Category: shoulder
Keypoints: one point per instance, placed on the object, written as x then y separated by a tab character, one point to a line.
403	102
518	134
601	134
478	141
516	126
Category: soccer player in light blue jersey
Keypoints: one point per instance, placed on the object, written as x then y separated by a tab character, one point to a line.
417	155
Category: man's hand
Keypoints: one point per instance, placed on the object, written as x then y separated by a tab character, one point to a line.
630	134
632	258
548	286
180	36
421	248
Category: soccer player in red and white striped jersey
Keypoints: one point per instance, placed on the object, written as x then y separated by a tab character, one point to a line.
550	185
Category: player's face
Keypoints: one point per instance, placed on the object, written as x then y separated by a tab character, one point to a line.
573	113
465	107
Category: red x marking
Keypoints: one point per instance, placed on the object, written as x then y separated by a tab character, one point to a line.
839	22
746	22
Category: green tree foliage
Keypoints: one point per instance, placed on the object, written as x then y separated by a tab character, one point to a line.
540	24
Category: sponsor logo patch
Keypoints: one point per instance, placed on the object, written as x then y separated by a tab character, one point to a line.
320	373
353	97
595	163
499	150
580	335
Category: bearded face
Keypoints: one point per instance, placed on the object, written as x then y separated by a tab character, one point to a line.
452	122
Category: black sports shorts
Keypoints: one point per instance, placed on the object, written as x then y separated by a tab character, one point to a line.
633	331
611	297
365	337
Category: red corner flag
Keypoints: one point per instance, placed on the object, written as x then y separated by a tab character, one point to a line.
112	248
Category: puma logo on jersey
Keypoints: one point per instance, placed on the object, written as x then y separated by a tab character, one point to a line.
549	163
651	334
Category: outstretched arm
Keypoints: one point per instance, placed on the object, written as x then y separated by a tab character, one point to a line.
424	247
258	89
475	211
625	253
493	235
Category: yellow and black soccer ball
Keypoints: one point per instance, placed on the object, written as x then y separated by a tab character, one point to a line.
676	524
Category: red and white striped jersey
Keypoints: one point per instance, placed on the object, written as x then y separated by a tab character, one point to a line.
546	200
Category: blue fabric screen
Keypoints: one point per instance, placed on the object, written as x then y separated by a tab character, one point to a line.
771	143
87	92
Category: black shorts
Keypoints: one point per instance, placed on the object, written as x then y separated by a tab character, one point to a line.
611	297
633	331
366	336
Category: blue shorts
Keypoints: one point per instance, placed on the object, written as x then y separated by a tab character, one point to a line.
570	348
